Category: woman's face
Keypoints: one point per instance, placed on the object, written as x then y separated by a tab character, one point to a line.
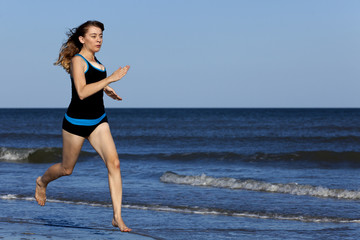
93	39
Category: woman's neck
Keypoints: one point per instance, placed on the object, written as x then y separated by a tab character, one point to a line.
88	55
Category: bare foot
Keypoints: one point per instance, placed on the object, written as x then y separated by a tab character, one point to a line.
40	192
121	225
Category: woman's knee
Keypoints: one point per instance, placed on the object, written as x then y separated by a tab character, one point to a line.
67	171
113	163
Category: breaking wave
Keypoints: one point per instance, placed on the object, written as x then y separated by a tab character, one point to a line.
32	155
254	185
328	159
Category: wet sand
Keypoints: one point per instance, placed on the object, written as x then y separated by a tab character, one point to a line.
53	221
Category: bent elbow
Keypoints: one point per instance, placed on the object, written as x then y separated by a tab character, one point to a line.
81	96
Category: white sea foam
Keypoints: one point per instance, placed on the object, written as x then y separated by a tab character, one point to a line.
254	185
197	210
10	154
9	197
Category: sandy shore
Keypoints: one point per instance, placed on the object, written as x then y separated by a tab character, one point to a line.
30	221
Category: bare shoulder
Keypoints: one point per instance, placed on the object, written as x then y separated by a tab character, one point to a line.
78	62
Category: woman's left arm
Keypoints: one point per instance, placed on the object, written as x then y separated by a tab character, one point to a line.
111	93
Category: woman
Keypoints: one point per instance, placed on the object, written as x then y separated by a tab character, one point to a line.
86	117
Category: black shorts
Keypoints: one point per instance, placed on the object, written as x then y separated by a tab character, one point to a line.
82	127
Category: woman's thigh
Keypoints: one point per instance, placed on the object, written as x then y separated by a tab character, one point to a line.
103	142
72	145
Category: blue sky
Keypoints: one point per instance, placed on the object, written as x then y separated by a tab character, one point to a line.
194	53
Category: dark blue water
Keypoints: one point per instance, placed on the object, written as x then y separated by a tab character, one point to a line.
194	173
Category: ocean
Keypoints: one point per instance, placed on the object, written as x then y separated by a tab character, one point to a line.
189	174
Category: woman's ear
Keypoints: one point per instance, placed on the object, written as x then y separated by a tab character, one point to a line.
81	39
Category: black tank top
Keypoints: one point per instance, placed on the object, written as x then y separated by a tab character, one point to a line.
91	107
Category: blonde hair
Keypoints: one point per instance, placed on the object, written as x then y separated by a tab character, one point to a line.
73	45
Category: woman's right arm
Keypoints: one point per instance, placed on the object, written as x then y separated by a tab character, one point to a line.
78	67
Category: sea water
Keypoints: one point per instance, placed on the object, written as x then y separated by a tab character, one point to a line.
189	174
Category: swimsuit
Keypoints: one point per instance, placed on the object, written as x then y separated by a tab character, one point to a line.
83	116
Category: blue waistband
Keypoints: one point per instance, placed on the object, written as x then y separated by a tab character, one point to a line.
85	122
